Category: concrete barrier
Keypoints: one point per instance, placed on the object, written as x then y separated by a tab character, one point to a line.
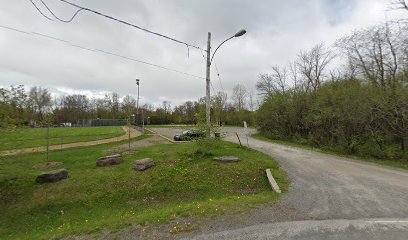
272	181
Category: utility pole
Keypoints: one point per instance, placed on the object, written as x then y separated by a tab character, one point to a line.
207	80
137	103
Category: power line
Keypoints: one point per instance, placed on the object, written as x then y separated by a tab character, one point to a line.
62	20
219	79
218	74
81	8
99	51
212	87
36	7
14	29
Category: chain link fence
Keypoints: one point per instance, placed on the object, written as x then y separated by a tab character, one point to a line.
101	122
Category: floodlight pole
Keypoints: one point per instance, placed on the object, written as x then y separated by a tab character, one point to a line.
137	103
207	77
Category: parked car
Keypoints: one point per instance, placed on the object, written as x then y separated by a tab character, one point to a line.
190	134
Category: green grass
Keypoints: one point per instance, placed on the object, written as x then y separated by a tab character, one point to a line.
94	199
390	163
36	137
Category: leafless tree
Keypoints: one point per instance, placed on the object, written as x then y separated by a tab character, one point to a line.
270	83
279	75
40	99
376	53
400	4
166	105
251	101
148	107
128	105
312	65
265	85
115	104
239	96
294	75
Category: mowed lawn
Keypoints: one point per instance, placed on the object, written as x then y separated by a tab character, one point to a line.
94	200
36	137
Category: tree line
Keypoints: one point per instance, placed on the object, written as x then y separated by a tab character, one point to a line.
37	107
359	108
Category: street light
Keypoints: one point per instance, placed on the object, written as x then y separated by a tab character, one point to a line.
137	102
209	61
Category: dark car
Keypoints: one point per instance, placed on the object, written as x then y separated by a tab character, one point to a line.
188	135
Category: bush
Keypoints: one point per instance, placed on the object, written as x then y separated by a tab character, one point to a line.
345	116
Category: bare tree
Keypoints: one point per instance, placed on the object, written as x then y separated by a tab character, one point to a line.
400	4
312	65
166	107
293	71
128	105
148	107
279	75
273	82
73	108
251	101
377	53
239	96
40	99
265	85
115	105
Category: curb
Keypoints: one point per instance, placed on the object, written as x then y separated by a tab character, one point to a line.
272	181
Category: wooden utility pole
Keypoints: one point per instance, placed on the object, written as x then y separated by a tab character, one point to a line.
207	80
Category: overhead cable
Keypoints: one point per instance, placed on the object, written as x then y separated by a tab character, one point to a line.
99	51
81	8
219	78
38	9
62	20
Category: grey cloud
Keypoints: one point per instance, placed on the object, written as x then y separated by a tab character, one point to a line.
338	10
277	30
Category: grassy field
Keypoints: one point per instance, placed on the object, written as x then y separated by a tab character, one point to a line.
93	199
36	137
391	163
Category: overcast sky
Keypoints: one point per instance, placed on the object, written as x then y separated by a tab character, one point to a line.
276	31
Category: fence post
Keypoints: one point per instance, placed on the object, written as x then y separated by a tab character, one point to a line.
129	133
238	139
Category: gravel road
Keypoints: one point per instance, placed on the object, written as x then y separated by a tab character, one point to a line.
331	196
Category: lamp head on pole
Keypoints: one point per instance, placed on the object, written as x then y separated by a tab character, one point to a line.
240	33
137	82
